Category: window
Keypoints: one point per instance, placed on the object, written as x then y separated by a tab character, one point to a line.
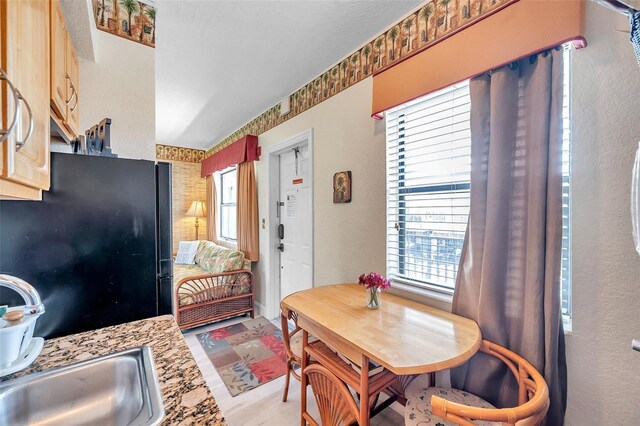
428	182
228	193
428	174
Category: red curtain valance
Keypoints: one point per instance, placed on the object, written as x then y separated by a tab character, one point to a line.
244	149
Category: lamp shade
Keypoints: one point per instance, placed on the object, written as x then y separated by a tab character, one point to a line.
197	209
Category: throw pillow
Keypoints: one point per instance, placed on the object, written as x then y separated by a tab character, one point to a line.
187	252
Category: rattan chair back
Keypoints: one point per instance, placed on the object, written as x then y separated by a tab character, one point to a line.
533	395
335	402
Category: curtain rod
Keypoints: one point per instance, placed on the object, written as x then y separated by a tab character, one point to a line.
620	6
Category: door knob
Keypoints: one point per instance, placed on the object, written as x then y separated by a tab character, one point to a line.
635	345
281	247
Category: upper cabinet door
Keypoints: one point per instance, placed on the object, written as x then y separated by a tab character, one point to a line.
24	155
73	71
59	78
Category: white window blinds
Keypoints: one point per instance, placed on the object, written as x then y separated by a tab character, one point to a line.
565	277
428	173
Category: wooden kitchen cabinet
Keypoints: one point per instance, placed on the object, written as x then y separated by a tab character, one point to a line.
24	59
59	80
64	74
73	80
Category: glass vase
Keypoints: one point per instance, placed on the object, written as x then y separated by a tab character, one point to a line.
373	297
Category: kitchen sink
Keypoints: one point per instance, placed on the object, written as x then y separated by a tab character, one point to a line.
117	389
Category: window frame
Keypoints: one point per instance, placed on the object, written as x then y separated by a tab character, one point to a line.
222	204
433	290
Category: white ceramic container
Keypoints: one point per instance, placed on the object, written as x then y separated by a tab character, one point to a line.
15	338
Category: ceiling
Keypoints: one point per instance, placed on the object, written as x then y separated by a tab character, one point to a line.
219	64
79	19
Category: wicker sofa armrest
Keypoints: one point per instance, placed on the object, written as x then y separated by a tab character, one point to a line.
207	287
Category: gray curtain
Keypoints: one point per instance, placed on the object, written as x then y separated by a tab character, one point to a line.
509	275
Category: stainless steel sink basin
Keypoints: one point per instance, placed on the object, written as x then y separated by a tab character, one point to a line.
116	389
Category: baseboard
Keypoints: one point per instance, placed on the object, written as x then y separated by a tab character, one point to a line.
260	308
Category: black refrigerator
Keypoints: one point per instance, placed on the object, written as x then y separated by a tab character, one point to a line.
97	248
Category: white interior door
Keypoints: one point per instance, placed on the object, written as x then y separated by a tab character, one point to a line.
295	218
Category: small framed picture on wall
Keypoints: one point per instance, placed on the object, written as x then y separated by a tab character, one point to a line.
342	187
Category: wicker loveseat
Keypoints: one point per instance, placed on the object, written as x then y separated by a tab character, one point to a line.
218	286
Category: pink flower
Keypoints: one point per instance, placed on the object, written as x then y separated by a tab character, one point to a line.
374	280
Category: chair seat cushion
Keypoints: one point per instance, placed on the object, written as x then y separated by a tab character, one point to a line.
418	408
296	343
184	271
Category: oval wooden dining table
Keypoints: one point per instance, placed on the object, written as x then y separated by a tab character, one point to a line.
404	336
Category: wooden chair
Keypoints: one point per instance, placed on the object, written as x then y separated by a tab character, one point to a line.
319	353
325	356
335	402
533	398
292	345
292	340
399	386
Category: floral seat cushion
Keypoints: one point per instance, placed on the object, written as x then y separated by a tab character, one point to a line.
183	271
212	259
296	343
417	412
215	259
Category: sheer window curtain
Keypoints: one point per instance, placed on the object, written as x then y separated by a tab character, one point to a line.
212	204
509	275
247	212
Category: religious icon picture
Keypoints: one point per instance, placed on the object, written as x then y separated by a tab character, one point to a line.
342	187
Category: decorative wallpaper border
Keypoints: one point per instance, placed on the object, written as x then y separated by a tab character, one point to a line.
130	19
176	153
431	23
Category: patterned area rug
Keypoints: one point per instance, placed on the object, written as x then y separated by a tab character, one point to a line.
247	354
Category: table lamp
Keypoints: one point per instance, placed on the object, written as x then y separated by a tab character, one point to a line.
196	210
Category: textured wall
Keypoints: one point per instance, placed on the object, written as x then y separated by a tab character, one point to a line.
349	239
187	186
604	374
120	85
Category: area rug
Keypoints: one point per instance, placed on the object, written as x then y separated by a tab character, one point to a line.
246	355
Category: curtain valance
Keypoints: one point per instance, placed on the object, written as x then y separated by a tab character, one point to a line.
515	32
244	149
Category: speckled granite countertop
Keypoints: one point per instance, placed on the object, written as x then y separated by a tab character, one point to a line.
187	399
